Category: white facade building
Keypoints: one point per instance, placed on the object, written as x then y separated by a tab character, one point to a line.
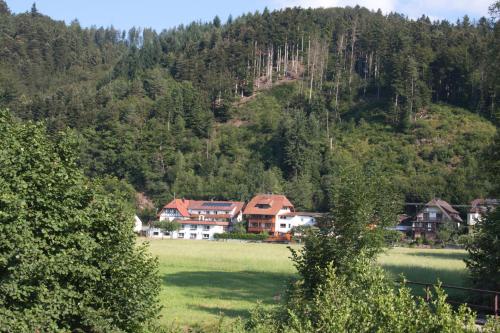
289	220
199	220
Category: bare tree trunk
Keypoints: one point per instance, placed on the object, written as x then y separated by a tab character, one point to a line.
353	42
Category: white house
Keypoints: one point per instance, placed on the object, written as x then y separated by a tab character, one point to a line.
199	219
137	224
275	214
288	221
479	207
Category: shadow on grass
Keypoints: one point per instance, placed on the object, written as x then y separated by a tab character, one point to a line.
455	277
440	255
431	276
206	287
219	311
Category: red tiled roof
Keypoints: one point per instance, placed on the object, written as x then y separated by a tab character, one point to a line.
216	205
275	202
313	214
180	204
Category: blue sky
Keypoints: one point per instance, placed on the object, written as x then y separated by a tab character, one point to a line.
160	14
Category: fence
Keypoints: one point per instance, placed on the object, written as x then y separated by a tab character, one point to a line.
492	296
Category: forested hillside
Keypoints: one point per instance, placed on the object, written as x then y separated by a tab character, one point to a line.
266	102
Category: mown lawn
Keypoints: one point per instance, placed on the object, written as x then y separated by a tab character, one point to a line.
203	279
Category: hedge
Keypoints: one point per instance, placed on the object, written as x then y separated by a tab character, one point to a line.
239	235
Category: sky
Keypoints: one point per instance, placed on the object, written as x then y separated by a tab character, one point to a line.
161	14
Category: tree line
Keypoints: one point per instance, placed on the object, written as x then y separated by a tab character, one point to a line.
266	102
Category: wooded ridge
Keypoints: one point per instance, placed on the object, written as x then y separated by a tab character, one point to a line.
266	102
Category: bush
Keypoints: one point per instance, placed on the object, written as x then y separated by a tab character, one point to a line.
241	235
68	255
484	252
363	300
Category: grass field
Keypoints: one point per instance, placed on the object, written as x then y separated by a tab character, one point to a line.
203	279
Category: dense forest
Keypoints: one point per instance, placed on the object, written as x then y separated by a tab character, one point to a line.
266	102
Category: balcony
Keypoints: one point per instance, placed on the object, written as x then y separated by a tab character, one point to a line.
261	227
260	219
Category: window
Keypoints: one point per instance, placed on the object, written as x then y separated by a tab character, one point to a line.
155	233
255	225
206	227
192	236
186	226
263	206
268	225
283	217
282	225
206	236
426	216
194	226
289	226
181	235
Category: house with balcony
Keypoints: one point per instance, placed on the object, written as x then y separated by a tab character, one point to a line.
200	219
479	207
436	213
275	215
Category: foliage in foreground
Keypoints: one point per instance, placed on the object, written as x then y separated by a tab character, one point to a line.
484	252
68	257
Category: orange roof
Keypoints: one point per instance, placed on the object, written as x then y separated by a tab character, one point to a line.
312	214
216	205
275	202
180	204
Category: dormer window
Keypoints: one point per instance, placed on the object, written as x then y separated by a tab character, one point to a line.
263	206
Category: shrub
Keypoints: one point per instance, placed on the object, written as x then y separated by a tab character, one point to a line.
240	235
68	255
484	252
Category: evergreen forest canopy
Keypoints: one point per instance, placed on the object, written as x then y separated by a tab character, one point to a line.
266	102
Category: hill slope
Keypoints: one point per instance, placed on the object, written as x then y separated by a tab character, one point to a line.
176	112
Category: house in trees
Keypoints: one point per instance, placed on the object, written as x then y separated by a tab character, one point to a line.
201	219
275	215
434	215
479	207
137	224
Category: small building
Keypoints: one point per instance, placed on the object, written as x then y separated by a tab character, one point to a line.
137	224
479	207
288	221
435	213
275	214
200	219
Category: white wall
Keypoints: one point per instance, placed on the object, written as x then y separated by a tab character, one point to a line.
185	232
200	232
137	224
473	218
293	221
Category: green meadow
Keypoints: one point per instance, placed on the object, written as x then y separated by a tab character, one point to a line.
202	279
